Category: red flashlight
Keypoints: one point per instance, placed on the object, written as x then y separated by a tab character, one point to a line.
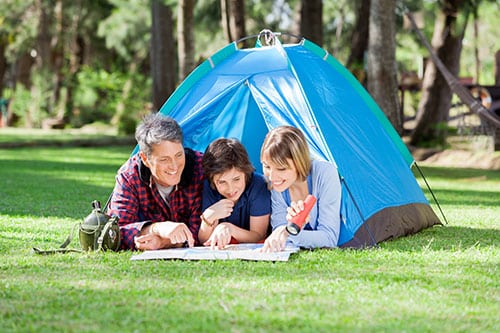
295	225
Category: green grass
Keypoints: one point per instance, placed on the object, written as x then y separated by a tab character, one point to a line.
96	135
444	279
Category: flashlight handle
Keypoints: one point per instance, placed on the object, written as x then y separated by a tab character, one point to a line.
298	220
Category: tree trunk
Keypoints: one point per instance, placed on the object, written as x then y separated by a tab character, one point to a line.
382	69
233	19
338	31
76	53
51	52
3	69
226	26
477	60
162	53
23	67
50	60
359	41
433	110
311	20
44	37
3	62
58	108
497	68
237	19
185	37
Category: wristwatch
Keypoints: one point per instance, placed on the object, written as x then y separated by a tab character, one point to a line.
204	220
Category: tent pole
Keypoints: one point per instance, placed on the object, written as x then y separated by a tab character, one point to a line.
374	242
430	190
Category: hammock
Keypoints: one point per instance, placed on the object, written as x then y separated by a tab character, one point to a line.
462	92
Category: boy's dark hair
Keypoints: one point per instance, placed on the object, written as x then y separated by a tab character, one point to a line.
223	155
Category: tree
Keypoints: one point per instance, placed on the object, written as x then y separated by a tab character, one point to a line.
3	61
359	40
311	20
382	69
497	68
185	37
233	19
19	25
162	53
51	46
432	114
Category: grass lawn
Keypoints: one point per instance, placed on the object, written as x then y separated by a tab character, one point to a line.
444	279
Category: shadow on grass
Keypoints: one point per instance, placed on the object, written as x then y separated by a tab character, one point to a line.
465	197
440	238
48	188
465	176
457	173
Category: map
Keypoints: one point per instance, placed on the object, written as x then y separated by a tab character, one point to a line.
247	251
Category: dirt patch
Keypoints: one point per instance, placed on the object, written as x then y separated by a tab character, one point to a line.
458	158
475	152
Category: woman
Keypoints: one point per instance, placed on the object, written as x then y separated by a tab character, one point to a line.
236	202
292	175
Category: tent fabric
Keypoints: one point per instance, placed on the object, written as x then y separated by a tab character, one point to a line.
242	93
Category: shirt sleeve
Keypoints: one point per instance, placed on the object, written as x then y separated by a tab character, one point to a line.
124	203
278	209
196	199
325	218
260	197
209	196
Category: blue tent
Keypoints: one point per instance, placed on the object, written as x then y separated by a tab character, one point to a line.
242	93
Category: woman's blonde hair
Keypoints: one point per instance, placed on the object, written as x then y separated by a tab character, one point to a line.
287	142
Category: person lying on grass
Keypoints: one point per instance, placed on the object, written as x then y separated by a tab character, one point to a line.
236	201
292	175
158	191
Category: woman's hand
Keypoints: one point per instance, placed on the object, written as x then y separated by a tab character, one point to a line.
296	208
221	236
276	241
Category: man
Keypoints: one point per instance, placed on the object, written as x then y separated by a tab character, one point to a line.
158	191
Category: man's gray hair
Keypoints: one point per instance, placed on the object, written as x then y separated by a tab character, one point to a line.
156	128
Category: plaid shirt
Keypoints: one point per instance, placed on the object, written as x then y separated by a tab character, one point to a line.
137	201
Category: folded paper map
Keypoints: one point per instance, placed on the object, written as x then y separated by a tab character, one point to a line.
247	251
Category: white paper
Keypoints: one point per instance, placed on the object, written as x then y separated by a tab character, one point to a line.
246	251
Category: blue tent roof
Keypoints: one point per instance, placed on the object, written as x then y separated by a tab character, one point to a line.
242	93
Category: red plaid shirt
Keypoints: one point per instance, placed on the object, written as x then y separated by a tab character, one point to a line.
136	200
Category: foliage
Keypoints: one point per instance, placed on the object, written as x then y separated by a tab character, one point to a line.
487	43
99	93
20	104
32	104
127	29
339	20
113	35
19	22
444	279
276	15
410	52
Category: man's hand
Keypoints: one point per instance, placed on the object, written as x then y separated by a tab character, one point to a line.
276	241
149	242
162	235
221	236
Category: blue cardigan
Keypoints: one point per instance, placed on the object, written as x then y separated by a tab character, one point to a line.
324	224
